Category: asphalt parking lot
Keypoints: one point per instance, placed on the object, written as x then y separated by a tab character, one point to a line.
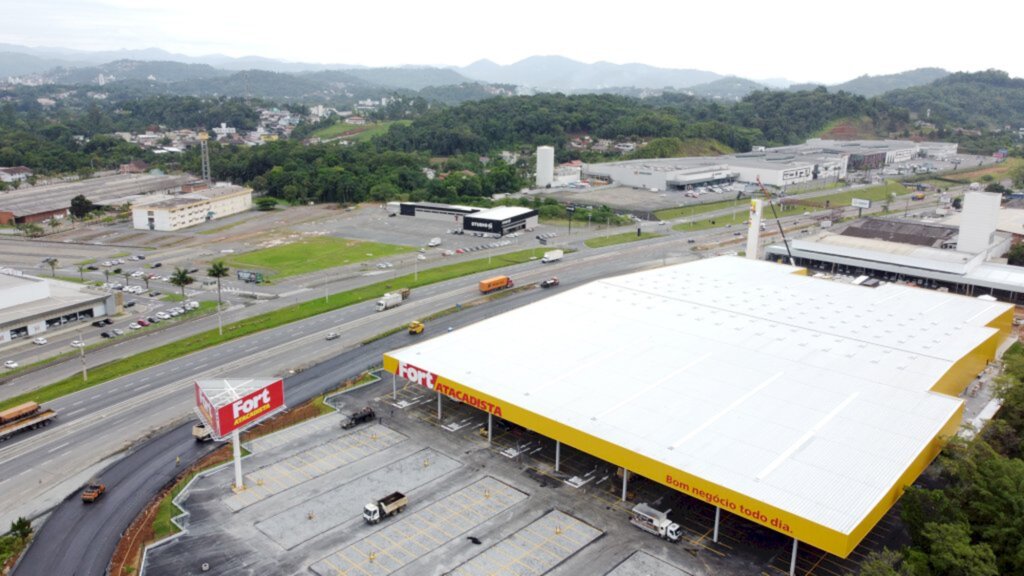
475	507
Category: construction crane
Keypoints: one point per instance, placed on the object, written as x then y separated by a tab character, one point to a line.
768	197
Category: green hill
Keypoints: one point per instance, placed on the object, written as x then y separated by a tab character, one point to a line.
990	99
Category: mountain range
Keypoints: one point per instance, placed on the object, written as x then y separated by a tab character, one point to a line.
534	74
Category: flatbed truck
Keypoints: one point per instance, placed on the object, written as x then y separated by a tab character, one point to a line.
24	417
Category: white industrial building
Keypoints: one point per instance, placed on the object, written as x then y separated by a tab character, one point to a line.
959	259
168	213
797	403
823	160
30	306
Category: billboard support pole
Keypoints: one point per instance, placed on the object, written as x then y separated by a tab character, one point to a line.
236	444
439	407
490	427
394	387
558	455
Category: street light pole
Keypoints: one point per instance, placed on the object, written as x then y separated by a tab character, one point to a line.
81	354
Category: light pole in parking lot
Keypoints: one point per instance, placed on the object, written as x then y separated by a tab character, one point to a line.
81	354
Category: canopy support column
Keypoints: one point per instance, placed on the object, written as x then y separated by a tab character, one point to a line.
558	455
792	559
625	482
718	514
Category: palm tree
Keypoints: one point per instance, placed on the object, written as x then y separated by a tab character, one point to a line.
53	266
127	276
81	271
180	278
53	223
218	270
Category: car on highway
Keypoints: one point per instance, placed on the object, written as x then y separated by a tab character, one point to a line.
99	323
40	341
10	364
549	283
77	344
108	321
117	331
333	336
93	491
157	264
106	335
129	304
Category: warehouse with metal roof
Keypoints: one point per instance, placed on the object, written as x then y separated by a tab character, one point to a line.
794	402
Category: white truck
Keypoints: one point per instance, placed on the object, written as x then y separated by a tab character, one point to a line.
201	433
389	505
552	256
655	522
393	299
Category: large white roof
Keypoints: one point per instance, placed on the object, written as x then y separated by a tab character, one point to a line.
805	394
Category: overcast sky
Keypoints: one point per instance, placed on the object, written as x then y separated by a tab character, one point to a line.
797	40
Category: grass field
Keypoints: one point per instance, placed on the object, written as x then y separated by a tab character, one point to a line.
355	133
311	255
603	241
873	193
302	310
672	213
997	171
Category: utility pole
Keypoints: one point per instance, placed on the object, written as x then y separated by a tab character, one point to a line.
81	354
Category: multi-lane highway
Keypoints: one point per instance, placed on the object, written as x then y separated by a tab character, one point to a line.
99	425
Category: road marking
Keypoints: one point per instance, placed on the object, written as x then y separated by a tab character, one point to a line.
73	412
55	448
77	403
140	387
250	349
95	396
45	462
143	379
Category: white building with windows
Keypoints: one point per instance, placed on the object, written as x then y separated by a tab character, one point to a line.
176	212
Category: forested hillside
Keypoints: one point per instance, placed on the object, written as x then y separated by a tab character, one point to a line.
980	100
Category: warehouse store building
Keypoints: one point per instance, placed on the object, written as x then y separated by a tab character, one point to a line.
30	306
501	220
797	403
168	213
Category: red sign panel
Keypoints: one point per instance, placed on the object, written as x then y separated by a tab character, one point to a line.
417	375
242	412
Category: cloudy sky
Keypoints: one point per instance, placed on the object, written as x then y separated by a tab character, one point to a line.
793	39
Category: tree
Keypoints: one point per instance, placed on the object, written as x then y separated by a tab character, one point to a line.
81	271
218	270
884	563
1017	175
52	262
266	203
951	553
81	206
31	230
53	223
1015	257
180	278
22	528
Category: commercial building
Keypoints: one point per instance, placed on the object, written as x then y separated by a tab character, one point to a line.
30	306
176	212
545	166
501	220
961	258
825	160
493	221
33	204
800	404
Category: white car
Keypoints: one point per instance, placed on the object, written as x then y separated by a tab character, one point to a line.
191	305
77	343
134	326
10	364
163	315
117	331
175	313
137	274
39	341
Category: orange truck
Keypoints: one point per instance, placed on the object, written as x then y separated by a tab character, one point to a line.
27	416
496	283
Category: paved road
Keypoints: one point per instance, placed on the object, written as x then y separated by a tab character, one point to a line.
96	424
80	539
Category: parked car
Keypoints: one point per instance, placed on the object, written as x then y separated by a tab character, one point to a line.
153	320
39	341
108	321
99	323
157	264
163	315
92	267
142	322
106	335
11	364
129	304
154	294
118	331
134	326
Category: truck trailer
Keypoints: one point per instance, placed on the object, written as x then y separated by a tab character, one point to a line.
496	283
552	256
391	504
358	417
23	417
393	299
655	522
